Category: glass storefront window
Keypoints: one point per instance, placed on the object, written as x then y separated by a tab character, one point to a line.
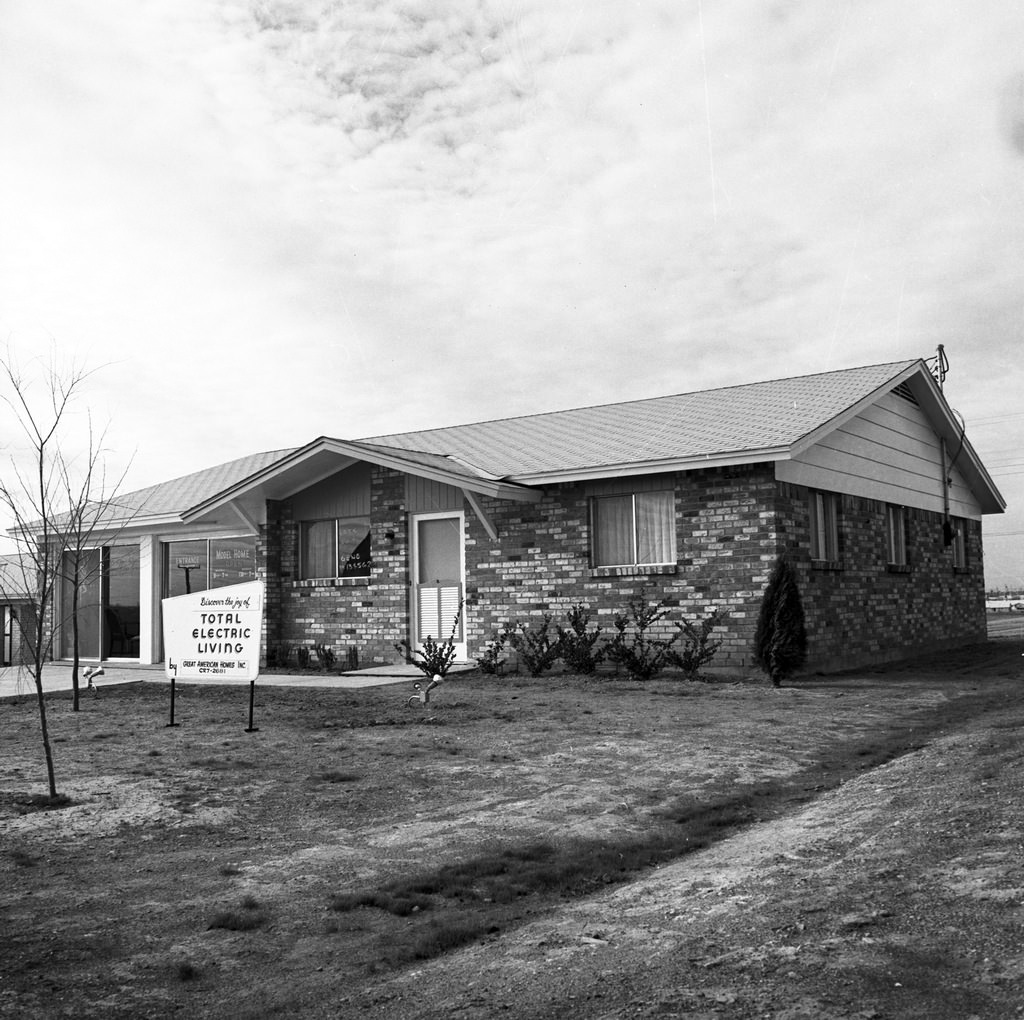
201	564
108	602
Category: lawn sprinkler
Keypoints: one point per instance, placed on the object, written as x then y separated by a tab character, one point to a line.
90	674
422	695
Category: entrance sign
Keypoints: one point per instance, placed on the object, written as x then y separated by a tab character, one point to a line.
215	634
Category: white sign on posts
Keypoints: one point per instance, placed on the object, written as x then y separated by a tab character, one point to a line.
215	634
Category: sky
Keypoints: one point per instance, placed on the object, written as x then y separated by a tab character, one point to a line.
260	222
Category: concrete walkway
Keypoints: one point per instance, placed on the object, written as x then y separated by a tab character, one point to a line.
57	677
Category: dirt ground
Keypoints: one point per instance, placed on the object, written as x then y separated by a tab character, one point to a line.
859	852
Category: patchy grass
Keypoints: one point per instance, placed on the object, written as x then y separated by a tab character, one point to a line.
385	835
246	917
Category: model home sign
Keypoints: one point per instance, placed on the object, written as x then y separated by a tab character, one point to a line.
214	634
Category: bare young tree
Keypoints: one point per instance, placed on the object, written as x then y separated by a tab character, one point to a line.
54	502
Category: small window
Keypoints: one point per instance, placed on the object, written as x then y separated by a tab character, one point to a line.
896	527
339	547
824	526
959	543
638	529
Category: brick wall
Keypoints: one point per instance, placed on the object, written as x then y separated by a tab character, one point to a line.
865	612
726	543
369	617
731	525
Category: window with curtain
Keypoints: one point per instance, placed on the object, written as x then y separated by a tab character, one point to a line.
339	547
824	526
896	528
638	529
959	542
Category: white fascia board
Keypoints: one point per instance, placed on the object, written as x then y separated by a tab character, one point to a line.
113	526
656	467
350	453
268	474
497	488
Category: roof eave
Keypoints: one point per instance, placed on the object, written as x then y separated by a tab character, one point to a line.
654	467
353	451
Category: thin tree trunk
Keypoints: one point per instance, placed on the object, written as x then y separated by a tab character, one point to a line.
74	637
51	776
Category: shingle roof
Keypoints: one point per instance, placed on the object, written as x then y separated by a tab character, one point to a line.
16	573
178	494
751	418
734	419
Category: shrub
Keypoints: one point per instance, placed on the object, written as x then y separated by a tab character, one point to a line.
302	654
697	648
780	642
578	645
642	657
433	659
277	656
493	658
326	656
537	649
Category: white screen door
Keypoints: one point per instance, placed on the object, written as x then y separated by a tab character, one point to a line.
439	580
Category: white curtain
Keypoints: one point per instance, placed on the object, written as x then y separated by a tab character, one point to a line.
318	549
613	531
655	527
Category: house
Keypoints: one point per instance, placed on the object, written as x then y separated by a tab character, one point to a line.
16	609
862	477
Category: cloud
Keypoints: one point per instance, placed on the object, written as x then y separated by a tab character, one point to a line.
447	211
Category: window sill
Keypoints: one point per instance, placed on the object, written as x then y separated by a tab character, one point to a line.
826	564
898	568
635	571
332	582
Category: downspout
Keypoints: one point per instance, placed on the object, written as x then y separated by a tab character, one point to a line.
947	525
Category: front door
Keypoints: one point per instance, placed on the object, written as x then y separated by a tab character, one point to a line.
438	580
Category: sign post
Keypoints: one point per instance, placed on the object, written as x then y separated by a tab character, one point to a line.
215	635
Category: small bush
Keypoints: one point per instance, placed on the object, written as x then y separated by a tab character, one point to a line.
579	646
433	659
697	647
641	656
278	656
325	655
302	654
493	659
538	649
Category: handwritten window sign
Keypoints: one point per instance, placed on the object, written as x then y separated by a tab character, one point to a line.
215	634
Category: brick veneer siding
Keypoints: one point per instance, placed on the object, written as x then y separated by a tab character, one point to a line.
367	616
726	542
731	525
864	612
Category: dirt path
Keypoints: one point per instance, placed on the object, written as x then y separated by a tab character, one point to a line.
900	895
